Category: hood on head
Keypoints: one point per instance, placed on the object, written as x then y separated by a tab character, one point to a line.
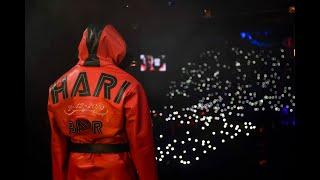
101	45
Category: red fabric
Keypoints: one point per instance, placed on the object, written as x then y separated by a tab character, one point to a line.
86	115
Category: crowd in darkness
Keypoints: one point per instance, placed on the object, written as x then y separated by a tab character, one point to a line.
222	96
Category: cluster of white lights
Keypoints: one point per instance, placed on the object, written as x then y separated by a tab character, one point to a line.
216	102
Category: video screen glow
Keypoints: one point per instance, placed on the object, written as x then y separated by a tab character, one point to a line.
153	64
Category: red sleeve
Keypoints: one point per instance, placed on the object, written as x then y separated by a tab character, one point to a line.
140	134
58	148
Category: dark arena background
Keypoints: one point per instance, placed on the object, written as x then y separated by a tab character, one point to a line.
219	75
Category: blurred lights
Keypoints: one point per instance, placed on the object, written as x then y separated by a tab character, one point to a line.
226	101
292	9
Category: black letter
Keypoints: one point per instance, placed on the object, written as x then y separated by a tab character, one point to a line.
83	124
123	88
72	129
107	86
82	78
55	91
96	127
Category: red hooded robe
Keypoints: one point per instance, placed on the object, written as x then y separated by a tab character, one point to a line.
96	102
